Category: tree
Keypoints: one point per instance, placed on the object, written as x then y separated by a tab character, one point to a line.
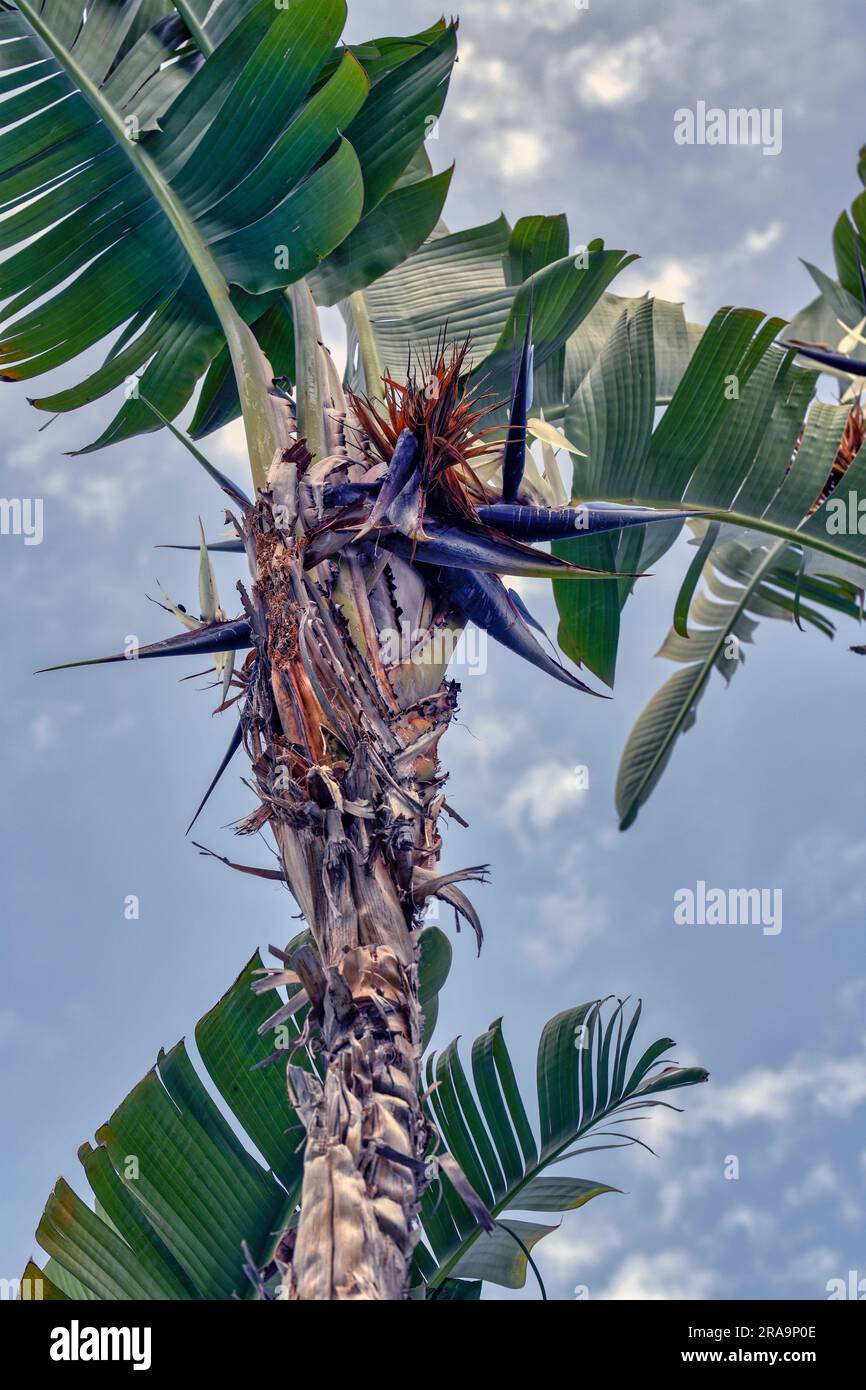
197	180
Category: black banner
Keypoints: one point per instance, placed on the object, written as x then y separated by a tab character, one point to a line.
139	1338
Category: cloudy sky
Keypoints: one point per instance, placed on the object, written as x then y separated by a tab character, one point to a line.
554	107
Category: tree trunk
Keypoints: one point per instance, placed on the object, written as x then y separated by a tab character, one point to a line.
345	758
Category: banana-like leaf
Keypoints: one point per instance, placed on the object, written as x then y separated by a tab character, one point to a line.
471	280
584	1084
834	321
741	442
140	196
417	71
168	196
181	1209
768	582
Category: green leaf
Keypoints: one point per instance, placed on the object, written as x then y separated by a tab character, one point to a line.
535	243
610	419
693	574
402	108
179	1194
382	239
458	277
740	441
459	1291
498	1257
153	240
672	710
434	966
580	1086
173	200
560	1194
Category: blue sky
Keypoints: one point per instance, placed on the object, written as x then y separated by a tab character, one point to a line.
552	108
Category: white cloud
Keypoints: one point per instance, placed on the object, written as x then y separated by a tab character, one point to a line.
814	1267
616	74
48	726
759	242
570	1255
566	922
541	14
479	68
93	497
683	1185
820	1181
31	453
851	993
541	794
671	1274
534	592
678	279
517	154
809	1082
843	893
486	736
673	280
231	442
757	1225
823	1183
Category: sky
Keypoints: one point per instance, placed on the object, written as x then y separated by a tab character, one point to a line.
757	1189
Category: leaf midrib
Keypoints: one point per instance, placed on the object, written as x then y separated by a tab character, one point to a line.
251	386
182	224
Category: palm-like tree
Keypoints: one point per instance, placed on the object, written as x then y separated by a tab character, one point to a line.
197	179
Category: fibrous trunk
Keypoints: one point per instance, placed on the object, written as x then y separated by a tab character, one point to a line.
342	719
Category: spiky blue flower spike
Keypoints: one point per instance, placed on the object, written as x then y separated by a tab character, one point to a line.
484	600
230	636
514	457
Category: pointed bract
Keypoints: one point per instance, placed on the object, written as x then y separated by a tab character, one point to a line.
568	523
484	600
837	361
514	458
477	550
404	462
236	739
232	635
